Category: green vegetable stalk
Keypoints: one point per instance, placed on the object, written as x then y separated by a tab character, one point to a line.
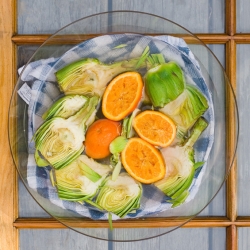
127	128
115	148
181	166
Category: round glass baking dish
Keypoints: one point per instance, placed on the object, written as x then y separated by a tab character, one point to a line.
220	157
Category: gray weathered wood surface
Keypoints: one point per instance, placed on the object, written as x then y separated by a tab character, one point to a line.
243	94
182	239
242	8
244	235
46	16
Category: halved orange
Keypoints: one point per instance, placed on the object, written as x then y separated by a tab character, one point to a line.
122	95
143	161
155	128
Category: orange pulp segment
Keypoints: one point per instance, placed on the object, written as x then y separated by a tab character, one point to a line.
122	95
143	161
155	128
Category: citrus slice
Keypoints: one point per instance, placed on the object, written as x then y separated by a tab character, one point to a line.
143	161
98	137
155	128
122	96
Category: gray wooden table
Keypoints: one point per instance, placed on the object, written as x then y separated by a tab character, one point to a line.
200	17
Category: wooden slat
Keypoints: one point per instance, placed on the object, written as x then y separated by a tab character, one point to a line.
242	38
48	223
231	128
230	17
75	39
40	39
231	241
231	233
243	221
8	206
214	38
206	38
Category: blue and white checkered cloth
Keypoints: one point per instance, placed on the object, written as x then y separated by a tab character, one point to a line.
44	91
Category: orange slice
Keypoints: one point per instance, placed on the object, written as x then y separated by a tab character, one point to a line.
122	96
143	161
155	128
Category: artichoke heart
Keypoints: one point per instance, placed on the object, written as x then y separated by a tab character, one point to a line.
80	180
90	76
65	106
120	196
181	166
187	108
60	140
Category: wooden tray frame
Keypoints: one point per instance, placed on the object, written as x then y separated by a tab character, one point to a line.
10	223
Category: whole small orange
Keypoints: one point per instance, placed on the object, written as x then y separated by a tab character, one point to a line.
98	137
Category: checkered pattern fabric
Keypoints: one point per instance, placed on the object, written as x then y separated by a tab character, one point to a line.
44	91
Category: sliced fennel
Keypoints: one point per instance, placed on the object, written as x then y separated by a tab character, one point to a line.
186	109
80	180
181	166
90	76
59	140
120	196
65	106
